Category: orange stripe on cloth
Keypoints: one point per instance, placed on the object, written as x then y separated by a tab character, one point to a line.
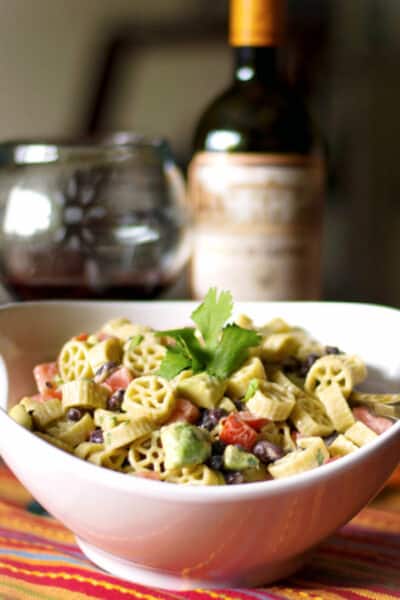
39	559
388	521
101	582
291	594
20	520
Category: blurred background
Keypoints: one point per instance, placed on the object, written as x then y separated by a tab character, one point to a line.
85	66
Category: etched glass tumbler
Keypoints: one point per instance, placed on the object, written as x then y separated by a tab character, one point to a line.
101	220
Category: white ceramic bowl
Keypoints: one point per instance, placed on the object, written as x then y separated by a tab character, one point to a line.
180	536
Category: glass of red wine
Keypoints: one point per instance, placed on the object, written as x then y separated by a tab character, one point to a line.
100	220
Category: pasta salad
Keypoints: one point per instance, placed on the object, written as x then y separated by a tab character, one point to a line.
216	403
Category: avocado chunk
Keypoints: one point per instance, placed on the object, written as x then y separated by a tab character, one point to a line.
21	416
228	405
236	459
202	389
184	445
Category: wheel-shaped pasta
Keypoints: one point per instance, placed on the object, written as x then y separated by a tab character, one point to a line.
276	325
73	361
123	328
83	394
127	432
144	358
372	399
271	401
103	352
150	396
360	434
341	446
278	434
47	412
306	345
198	475
312	454
309	416
73	433
147	454
328	370
86	449
336	407
111	459
239	381
244	321
277	347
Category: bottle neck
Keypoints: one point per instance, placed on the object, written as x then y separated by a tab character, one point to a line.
256	64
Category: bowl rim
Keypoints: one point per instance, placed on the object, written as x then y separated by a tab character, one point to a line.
188	493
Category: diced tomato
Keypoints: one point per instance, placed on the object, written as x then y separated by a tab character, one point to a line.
256	423
44	375
81	337
236	431
184	411
148	475
377	424
120	379
52	393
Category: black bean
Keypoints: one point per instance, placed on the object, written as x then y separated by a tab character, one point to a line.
114	402
308	363
105	371
74	414
330	439
291	364
216	462
267	452
240	405
234	478
211	418
96	436
218	447
332	350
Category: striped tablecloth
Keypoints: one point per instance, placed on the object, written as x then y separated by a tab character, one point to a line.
39	559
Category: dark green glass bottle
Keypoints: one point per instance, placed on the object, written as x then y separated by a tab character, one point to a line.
255	181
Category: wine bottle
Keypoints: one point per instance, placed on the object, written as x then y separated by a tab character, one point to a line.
256	177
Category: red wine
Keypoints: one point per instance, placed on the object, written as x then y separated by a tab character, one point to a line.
133	291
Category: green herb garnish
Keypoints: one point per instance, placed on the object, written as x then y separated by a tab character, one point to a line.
251	390
224	347
135	341
320	457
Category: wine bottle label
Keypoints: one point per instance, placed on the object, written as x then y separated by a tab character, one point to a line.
257	22
258	221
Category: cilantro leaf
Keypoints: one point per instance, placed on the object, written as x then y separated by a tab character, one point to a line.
135	341
212	314
251	390
232	350
189	346
173	363
320	457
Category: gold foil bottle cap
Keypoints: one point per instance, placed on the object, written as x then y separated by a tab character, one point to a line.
257	22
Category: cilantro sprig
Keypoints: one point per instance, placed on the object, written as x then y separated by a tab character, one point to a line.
251	390
222	347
